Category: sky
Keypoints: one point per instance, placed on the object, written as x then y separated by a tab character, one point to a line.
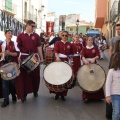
86	8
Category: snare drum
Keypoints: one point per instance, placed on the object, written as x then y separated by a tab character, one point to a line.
49	55
9	71
58	76
31	62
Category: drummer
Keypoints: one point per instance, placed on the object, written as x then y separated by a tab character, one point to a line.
89	55
62	51
28	42
77	47
9	50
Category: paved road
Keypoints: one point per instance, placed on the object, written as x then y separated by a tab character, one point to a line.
45	108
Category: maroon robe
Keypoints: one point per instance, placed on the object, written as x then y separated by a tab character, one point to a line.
65	49
11	48
91	53
76	59
27	83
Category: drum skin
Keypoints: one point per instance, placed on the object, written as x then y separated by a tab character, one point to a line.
91	82
31	62
9	71
58	76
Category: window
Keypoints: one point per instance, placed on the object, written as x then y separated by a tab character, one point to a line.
8	5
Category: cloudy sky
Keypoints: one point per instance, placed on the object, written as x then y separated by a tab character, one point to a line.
86	8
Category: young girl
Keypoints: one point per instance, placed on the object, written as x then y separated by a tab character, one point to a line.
77	47
89	55
113	86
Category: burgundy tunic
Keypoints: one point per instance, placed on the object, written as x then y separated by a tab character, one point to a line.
91	53
65	49
76	59
11	48
27	83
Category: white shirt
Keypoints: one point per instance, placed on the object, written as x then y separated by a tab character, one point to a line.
113	82
101	41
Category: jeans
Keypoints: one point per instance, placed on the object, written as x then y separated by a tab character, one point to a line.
116	107
8	87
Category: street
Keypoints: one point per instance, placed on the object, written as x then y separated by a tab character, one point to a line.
46	108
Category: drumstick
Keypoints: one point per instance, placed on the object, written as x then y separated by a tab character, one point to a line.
91	70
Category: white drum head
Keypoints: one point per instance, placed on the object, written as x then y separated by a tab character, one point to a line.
91	82
57	73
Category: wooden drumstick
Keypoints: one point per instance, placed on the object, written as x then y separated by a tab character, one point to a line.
91	70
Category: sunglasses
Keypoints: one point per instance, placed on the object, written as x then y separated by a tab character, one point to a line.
6	30
32	26
77	37
65	35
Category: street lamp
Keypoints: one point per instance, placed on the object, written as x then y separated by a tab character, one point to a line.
63	24
77	23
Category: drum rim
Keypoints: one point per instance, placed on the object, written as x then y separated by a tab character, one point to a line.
8	63
52	62
99	88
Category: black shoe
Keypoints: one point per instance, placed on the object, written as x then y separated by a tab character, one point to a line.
86	100
63	98
23	100
4	104
35	94
14	99
56	97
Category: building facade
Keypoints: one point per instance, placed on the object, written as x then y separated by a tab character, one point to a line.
107	17
15	13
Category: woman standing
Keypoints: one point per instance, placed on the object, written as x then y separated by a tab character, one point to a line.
62	50
113	86
89	55
77	47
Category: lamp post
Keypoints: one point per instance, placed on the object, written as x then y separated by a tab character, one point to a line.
63	24
77	23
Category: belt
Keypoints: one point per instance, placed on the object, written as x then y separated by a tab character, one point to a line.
62	55
75	55
24	54
88	59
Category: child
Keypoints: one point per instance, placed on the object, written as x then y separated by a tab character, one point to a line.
113	86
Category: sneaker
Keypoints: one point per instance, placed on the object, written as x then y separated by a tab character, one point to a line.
4	104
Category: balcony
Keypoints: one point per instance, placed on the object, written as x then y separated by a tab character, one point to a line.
100	14
114	11
9	7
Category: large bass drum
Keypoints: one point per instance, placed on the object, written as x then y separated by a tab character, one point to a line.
91	78
58	76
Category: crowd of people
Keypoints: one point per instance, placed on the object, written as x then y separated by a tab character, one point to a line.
76	49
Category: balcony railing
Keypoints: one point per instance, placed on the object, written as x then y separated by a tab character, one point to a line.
114	11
